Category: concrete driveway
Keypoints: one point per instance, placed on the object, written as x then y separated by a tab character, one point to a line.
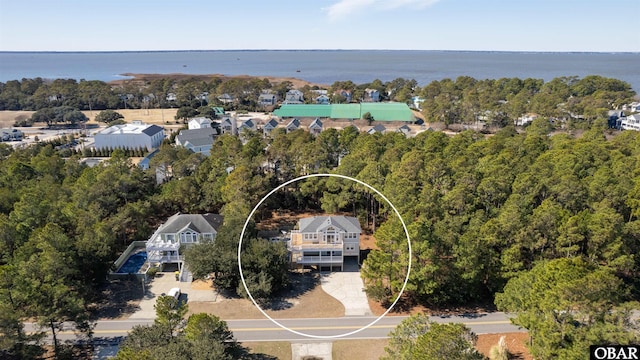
348	288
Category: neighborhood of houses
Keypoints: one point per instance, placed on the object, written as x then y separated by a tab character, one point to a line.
292	115
319	242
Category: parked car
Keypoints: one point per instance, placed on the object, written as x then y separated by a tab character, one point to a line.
175	293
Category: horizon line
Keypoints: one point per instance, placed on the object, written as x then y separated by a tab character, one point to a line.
302	50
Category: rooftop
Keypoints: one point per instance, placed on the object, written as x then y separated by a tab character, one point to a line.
387	111
132	129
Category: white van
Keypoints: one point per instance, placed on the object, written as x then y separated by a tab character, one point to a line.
175	293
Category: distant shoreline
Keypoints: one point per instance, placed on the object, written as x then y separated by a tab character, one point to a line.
297	82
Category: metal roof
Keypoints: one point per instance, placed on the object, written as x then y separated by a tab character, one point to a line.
303	110
132	129
386	111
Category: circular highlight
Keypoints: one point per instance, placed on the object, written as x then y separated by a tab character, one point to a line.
244	228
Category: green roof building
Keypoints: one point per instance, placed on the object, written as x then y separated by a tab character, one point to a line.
386	111
303	110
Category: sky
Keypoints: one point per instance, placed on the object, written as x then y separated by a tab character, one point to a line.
483	25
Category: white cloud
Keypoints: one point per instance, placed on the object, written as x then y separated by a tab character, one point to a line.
344	8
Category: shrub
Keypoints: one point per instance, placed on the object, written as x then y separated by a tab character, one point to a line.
152	271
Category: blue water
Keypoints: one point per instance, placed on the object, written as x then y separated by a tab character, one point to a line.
323	66
133	263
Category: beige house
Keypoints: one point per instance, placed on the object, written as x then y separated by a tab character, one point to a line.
325	241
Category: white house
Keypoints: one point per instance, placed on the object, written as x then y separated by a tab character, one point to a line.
416	102
199	123
631	122
324	241
130	136
525	119
371	95
163	247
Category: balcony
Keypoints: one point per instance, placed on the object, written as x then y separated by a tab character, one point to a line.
158	244
153	258
315	246
312	260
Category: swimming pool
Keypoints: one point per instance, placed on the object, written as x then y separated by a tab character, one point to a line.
133	263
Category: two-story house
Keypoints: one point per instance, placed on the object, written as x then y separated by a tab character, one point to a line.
197	140
199	123
294	97
371	95
324	241
267	98
163	247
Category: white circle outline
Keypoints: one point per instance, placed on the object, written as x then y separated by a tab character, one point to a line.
244	228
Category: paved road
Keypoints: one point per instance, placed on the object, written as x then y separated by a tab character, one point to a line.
265	330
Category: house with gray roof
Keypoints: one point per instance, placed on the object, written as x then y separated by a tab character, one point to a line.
322	99
197	140
293	125
163	247
377	129
229	126
315	128
270	126
247	124
294	97
405	130
267	98
324	241
226	98
10	135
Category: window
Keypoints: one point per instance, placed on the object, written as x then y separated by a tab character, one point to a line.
188	237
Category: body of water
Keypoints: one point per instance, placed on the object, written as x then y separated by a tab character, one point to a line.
323	66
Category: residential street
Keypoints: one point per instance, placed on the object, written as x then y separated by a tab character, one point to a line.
265	330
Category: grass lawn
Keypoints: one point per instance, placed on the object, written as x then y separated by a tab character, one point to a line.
306	299
358	349
278	349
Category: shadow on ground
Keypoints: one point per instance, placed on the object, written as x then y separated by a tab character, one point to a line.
118	298
300	283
